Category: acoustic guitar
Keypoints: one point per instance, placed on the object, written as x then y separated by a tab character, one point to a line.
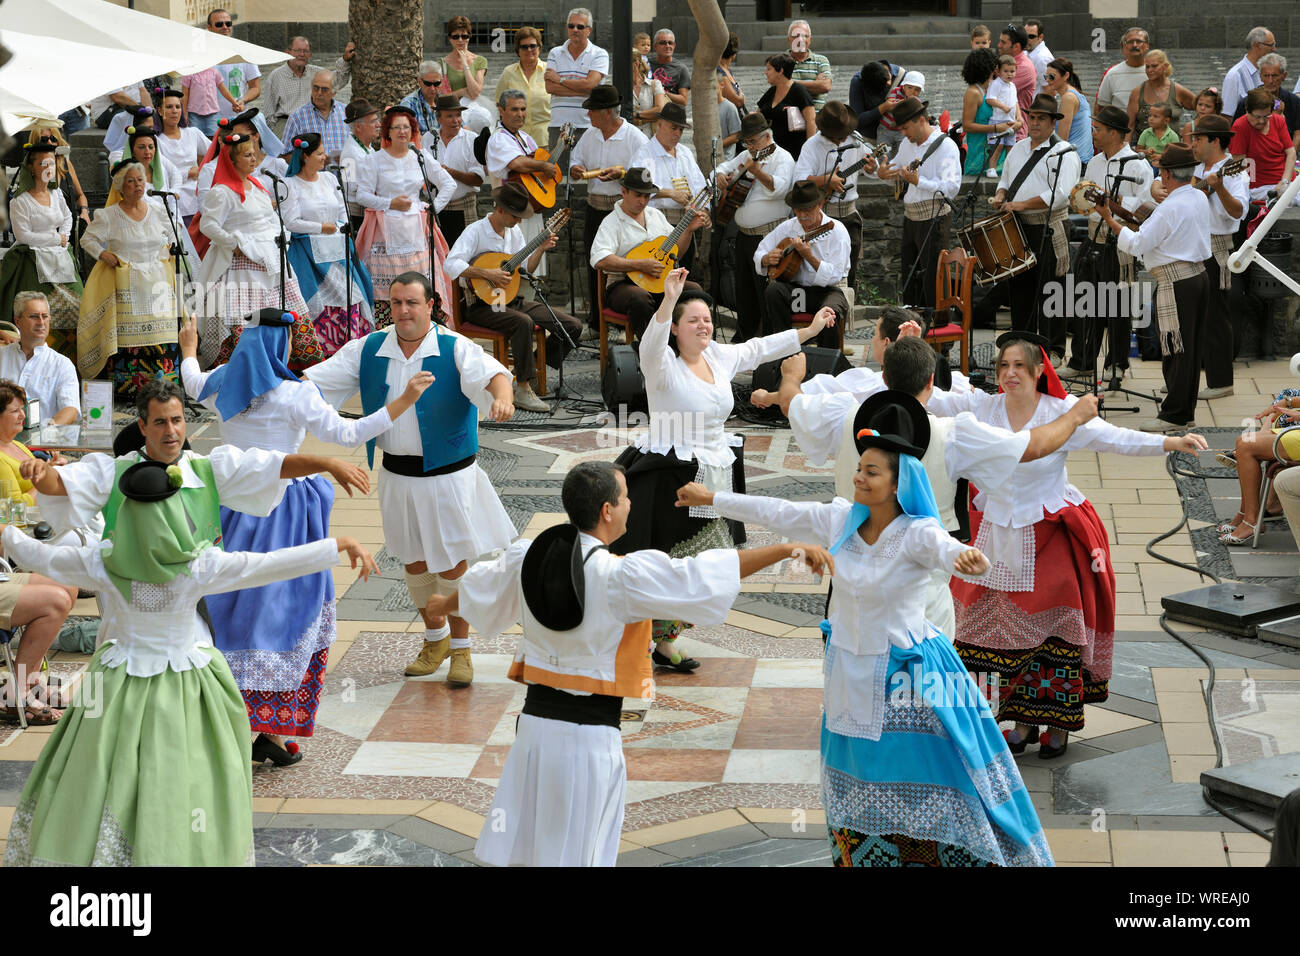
542	189
492	294
736	192
664	249
790	261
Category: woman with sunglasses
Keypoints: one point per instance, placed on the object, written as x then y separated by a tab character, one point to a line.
529	75
463	75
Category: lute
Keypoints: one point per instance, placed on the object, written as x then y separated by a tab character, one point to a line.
664	249
735	194
790	260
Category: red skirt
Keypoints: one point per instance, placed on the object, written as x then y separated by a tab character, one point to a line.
289	713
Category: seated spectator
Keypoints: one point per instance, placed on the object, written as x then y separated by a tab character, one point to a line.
35	367
1260	135
1207	101
1272	73
1254	452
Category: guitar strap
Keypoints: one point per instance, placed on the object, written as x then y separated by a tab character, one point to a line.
1034	159
938	141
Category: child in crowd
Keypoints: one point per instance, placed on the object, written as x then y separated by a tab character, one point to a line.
641	45
1159	134
1208	101
912	84
980	38
199	92
1002	97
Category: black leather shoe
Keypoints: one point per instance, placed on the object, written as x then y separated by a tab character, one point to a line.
1047	751
266	749
684	666
1019	748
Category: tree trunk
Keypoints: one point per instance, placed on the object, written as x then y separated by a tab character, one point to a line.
389	35
704	108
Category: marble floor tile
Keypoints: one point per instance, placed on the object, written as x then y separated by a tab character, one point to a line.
425	711
712	672
647	763
773	766
405	759
788	673
356	710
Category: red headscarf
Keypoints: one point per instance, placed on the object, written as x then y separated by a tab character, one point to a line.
1049	383
224	175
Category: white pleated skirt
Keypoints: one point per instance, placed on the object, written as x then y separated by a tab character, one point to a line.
442	520
560	800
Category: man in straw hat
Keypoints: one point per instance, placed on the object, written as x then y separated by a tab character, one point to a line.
672	166
825	263
1036	181
835	142
1113	157
612	147
1174	244
586	645
762	210
1229	203
937	176
453	146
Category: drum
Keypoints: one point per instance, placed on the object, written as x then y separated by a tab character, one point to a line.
999	248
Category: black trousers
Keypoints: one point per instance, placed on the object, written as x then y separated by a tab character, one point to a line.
1222	331
452	223
594	218
780	308
1183	371
518	320
916	249
853	223
1027	299
749	289
1112	313
636	303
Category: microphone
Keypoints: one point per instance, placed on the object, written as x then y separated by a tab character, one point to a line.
527	275
1125	179
161	192
270	175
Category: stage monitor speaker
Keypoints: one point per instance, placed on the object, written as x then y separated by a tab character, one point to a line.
1243	610
820	362
623	386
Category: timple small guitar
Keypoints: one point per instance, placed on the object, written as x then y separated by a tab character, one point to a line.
664	249
493	294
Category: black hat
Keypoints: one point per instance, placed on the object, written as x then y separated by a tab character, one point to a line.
751	124
245	117
445	103
552	578
638	180
32	149
140	132
1033	338
908	109
512	197
673	113
603	97
1177	156
1046	103
803	195
146	480
836	121
895	421
267	317
1112	116
689	294
307	142
359	108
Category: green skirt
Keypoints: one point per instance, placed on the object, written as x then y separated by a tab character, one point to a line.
142	771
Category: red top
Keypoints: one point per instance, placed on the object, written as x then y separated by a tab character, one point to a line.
1026	82
1267	150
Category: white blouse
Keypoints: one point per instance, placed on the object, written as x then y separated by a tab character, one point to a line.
272	164
184	153
158	628
280	419
687	414
311	204
41	228
249	225
143	245
381	178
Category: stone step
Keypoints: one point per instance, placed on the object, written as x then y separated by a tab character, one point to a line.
857	26
863	43
845	58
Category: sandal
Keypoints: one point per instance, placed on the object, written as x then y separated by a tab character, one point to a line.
1018	747
1228	459
1227	527
1232	541
37	715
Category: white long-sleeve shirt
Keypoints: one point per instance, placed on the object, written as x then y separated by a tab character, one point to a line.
1041	178
1178	230
938	175
594	151
818	156
312	204
667	172
1102	170
383	177
762	205
1238	187
457	155
832	248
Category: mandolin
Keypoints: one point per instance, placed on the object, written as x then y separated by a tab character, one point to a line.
664	249
879	153
736	192
542	189
492	294
790	261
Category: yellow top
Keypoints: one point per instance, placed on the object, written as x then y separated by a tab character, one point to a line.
538	100
9	472
1290	444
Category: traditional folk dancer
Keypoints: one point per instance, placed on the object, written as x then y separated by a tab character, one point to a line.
1113	160
1037	177
761	211
1229	202
119	782
632	222
1043	618
937	178
321	249
609	147
438	507
584	644
673	167
269	165
518	318
837	147
395	237
824	263
240	273
913	771
688	389
1174	244
453	146
276	639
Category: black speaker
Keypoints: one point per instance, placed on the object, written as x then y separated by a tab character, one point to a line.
820	362
623	386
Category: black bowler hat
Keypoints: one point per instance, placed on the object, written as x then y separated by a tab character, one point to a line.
908	109
147	480
638	180
893	421
673	113
552	578
603	97
1112	116
803	195
512	197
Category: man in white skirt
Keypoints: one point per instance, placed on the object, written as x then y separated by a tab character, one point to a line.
438	507
586	645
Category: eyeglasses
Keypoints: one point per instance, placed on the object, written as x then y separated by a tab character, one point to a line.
1032	36
1262	114
322	89
460	36
529	46
666	43
224	23
578	26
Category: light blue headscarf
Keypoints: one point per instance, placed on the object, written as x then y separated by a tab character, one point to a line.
915	497
258	364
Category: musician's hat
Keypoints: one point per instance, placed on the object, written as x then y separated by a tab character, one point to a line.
1212	124
752	124
805	194
909	109
673	113
1177	156
603	97
1112	116
637	179
512	197
836	121
1045	103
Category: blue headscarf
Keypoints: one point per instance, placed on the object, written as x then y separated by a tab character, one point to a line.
258	364
915	497
309	143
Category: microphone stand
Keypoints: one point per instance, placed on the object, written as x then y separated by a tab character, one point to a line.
346	229
1042	243
559	392
432	192
177	251
573	307
281	242
927	312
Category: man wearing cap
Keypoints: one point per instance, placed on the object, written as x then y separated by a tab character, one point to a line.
1174	243
835	143
585	646
438	507
324	115
762	210
1229	203
500	232
1113	157
925	214
1036	181
631	222
453	146
363	119
672	166
612	143
825	263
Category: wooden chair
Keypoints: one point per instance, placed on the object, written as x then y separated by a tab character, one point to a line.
500	342
609	317
952	290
